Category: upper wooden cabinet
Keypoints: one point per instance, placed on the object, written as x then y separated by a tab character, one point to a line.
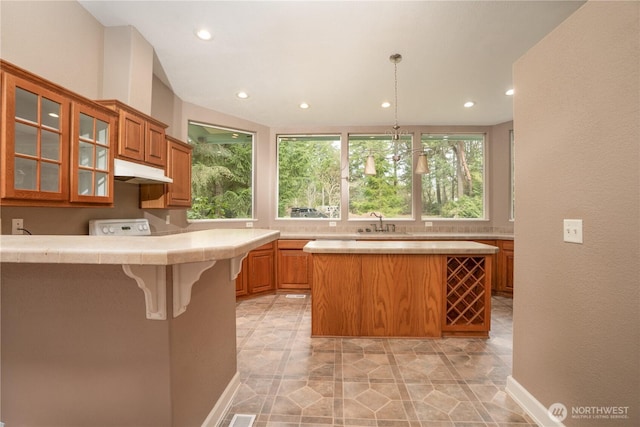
91	154
178	193
141	138
57	147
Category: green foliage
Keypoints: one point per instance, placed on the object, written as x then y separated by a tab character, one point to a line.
388	192
221	176
454	186
465	207
308	173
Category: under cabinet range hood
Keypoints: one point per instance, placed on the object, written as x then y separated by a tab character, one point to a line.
135	173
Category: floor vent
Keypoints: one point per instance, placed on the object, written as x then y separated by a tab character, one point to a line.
242	420
296	296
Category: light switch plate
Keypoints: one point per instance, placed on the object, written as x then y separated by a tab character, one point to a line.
573	230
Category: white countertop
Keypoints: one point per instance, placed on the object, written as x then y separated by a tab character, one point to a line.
303	235
171	249
398	247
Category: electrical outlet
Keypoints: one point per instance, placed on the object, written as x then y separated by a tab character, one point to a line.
249	224
332	223
17	224
573	230
167	219
428	224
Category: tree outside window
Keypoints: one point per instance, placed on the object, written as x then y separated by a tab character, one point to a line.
454	186
388	192
309	176
222	172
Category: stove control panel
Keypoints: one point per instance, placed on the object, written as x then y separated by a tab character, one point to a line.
119	227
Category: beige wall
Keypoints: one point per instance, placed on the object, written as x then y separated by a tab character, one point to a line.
577	127
58	40
77	349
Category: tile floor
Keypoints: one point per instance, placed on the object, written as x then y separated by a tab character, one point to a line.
291	379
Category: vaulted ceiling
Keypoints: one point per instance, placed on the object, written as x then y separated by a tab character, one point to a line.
334	55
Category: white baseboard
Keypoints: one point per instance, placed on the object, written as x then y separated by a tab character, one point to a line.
530	404
216	415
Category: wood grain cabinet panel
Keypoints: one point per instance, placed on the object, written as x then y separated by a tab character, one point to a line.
336	309
258	272
401	295
294	266
141	138
505	267
178	193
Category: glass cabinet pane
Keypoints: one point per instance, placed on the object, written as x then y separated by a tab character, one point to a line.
102	184
26	173
50	177
85	154
26	139
86	127
102	158
50	114
26	105
50	145
85	183
102	132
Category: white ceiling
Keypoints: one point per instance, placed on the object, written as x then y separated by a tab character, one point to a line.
334	55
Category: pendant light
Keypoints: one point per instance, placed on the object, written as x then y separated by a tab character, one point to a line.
422	166
370	166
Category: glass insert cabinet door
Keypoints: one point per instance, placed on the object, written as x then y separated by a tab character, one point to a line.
36	141
92	154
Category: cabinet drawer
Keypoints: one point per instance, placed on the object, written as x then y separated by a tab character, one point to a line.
292	244
265	247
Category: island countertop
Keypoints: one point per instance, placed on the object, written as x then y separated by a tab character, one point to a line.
195	246
398	247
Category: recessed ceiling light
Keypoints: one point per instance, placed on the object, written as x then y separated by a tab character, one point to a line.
509	92
386	104
203	34
469	104
304	105
242	95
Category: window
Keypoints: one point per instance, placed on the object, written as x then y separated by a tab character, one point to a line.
388	192
454	186
222	170
309	176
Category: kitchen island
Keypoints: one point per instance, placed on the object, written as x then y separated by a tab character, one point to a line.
401	288
120	330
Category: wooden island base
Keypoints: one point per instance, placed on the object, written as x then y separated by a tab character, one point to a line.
365	293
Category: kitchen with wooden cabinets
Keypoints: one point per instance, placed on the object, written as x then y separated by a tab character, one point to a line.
294	269
59	148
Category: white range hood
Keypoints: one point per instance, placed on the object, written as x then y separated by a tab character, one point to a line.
135	173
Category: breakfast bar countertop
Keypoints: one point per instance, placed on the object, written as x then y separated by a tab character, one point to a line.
398	247
194	246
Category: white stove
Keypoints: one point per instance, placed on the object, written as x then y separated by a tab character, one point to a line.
119	227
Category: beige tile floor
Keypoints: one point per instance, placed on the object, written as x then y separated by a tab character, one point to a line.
291	379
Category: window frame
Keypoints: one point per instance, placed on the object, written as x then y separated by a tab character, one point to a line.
485	179
409	155
339	138
253	173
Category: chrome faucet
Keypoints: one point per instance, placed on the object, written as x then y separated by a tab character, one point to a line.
376	225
